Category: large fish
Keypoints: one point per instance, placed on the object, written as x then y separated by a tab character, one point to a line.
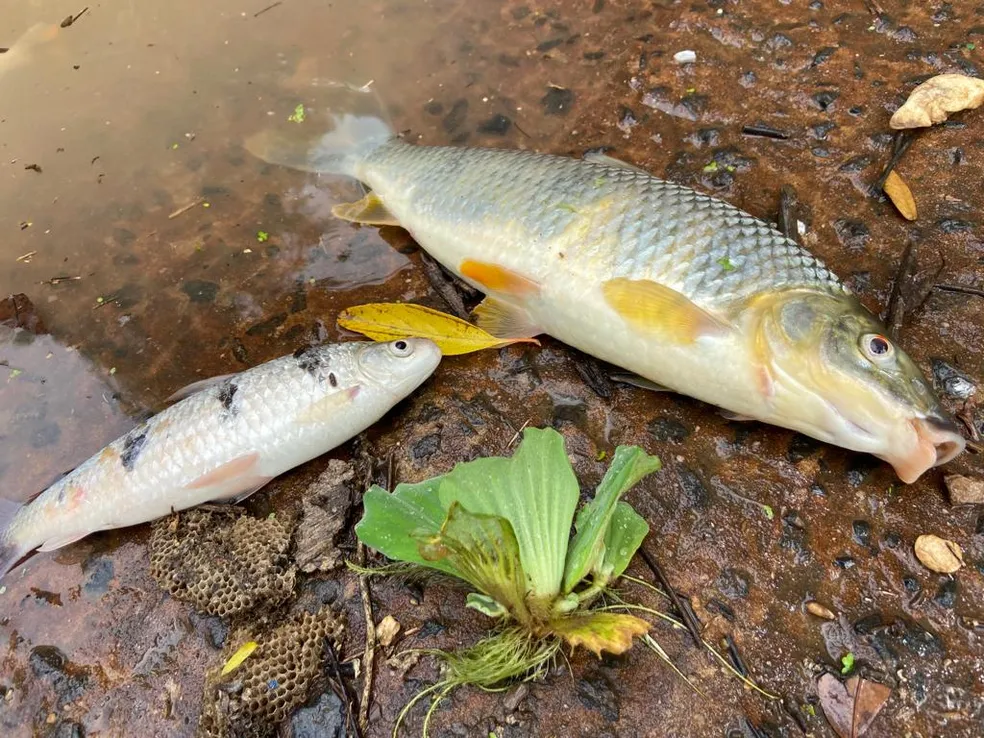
227	439
685	290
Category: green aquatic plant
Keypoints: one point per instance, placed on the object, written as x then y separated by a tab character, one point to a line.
503	525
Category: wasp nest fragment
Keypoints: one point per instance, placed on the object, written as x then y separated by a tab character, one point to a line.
277	678
224	563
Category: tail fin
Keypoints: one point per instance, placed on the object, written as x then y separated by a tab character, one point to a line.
336	152
355	120
11	552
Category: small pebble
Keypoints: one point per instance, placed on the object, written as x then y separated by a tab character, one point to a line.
815	608
685	57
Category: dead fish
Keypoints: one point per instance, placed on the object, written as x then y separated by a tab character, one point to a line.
680	288
227	439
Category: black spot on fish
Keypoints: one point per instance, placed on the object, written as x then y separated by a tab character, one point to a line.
310	360
332	380
132	446
227	394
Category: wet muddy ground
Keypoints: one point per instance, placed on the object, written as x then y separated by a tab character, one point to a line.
132	217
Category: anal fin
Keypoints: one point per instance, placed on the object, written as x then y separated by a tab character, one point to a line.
59	541
505	321
660	310
368	211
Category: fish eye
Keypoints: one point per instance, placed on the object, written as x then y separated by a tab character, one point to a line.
877	348
401	348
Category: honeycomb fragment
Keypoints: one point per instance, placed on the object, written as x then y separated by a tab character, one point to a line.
224	563
277	678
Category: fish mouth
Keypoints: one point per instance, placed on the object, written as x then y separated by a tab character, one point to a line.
937	441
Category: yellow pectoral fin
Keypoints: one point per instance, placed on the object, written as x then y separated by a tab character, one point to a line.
653	308
368	211
495	278
505	321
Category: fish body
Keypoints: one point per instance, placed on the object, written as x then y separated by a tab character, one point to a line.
685	290
224	441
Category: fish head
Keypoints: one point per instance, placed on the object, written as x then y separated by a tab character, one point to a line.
398	367
836	376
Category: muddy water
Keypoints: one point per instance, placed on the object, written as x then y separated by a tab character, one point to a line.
157	251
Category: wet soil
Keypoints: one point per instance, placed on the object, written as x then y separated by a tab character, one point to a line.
111	127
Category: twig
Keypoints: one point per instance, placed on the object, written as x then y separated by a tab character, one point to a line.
185	209
349	697
26	257
59	280
686	614
513	439
900	144
897	302
854	712
959	288
786	222
444	285
764	132
370	656
106	301
258	13
72	18
736	660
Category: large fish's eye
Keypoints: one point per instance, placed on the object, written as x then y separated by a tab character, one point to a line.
877	348
401	348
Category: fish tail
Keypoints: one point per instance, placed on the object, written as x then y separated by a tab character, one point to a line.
300	142
11	551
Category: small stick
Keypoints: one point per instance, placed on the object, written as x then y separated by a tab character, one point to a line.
900	144
185	209
258	13
736	660
444	286
25	257
686	613
764	132
854	712
349	697
786	221
370	656
897	301
959	288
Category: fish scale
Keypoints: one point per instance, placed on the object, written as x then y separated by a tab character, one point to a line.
223	441
659	230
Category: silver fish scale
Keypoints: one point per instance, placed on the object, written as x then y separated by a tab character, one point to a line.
633	224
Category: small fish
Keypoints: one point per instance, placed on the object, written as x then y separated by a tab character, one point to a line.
230	437
680	288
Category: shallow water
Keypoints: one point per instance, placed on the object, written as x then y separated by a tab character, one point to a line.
138	242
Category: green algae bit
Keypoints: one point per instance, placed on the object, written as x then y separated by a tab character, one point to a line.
503	526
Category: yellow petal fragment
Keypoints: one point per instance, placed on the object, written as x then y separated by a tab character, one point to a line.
935	98
600	631
653	308
385	321
900	195
241	654
368	211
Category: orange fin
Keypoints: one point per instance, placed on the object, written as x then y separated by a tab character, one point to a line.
505	321
495	278
233	481
369	211
654	308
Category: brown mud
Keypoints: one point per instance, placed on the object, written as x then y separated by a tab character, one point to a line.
111	127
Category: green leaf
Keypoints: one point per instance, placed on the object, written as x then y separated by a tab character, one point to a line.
586	553
298	115
482	550
392	523
847	663
600	631
536	491
626	533
726	264
262	236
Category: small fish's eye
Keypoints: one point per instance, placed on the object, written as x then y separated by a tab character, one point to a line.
877	348
401	348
